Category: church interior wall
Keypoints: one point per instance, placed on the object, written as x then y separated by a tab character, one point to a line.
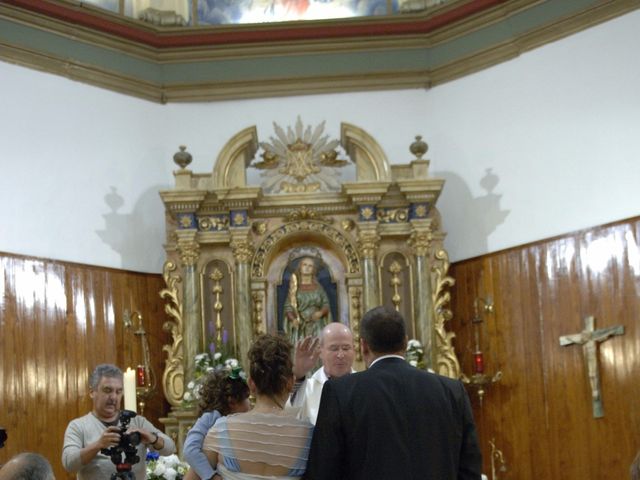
531	148
540	414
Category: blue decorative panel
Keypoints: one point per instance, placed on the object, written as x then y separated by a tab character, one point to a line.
238	218
419	210
186	220
367	213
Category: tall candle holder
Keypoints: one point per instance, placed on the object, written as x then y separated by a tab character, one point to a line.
479	379
145	376
498	463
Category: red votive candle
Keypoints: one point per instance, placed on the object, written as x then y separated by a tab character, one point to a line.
140	376
478	361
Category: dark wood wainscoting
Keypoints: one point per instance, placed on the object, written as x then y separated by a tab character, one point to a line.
57	321
540	413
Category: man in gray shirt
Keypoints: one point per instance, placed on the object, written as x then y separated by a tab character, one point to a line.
99	429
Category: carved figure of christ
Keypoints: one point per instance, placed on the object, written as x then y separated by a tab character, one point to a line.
589	339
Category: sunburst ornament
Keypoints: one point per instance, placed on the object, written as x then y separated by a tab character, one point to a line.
300	160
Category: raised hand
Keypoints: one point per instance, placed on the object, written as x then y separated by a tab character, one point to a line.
306	355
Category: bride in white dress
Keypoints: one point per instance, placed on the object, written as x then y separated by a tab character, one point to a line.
267	442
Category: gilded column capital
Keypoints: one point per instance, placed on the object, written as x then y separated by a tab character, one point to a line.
242	250
189	252
421	241
368	241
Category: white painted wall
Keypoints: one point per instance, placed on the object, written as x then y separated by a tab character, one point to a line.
535	147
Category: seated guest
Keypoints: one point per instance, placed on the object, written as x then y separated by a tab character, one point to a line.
268	441
222	393
99	429
27	466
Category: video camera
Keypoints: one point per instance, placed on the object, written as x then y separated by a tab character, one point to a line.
128	445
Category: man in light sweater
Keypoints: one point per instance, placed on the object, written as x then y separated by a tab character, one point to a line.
88	435
335	349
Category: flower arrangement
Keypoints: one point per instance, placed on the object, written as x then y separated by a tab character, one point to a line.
415	354
208	362
165	468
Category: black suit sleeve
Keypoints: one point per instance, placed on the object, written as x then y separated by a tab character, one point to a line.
470	466
327	455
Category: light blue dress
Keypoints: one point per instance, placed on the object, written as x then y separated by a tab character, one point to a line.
193	453
274	439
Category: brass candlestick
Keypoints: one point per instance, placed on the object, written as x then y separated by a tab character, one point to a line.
480	379
145	377
496	457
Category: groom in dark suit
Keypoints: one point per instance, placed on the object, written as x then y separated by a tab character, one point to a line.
393	421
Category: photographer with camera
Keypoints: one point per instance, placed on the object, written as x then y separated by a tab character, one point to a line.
107	442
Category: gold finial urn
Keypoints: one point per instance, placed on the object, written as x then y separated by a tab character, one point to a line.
182	158
419	147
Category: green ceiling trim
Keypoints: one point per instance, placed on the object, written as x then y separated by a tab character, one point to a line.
411	61
507	30
30	38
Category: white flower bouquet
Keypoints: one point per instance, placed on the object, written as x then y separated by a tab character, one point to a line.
165	468
206	363
415	354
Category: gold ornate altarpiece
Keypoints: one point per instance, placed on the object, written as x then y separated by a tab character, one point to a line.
379	234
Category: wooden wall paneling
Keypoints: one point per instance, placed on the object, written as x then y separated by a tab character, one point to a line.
540	413
58	320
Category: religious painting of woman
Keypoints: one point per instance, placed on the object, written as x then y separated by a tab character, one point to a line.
307	306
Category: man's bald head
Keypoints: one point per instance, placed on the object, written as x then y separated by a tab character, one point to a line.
27	466
336	349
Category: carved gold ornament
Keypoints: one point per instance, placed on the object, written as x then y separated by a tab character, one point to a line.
394	215
259	228
421	241
395	268
189	252
173	376
447	362
300	160
304	213
216	276
220	222
258	300
368	241
347	225
242	250
314	226
356	313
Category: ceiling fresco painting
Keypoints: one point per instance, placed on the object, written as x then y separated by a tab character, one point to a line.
219	12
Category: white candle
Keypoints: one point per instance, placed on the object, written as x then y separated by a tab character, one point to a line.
130	390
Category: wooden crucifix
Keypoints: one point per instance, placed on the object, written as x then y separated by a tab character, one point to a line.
589	339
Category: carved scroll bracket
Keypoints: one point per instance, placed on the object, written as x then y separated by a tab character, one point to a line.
447	362
173	376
